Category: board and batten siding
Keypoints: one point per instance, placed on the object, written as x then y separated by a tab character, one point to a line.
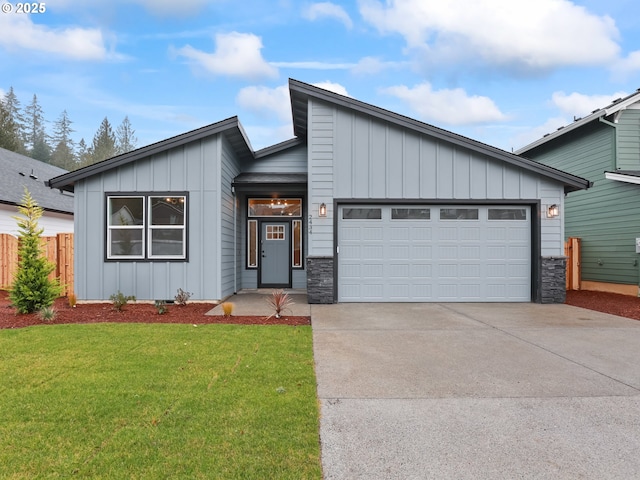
194	168
606	216
355	156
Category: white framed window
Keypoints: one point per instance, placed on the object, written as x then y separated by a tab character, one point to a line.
146	226
296	247
252	244
125	227
167	227
275	207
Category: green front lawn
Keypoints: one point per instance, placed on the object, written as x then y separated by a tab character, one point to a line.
144	401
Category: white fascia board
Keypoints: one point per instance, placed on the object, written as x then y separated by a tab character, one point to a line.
619	177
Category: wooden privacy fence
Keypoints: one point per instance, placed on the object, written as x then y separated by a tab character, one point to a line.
58	249
572	252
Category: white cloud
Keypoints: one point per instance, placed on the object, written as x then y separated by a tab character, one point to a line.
530	135
373	65
332	87
327	10
266	101
18	32
313	65
236	55
523	34
628	65
579	105
449	106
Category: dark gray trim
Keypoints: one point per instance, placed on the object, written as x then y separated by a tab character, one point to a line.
535	221
52	210
248	196
238	139
300	93
146	195
278	147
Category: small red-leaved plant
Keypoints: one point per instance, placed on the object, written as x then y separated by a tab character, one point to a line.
279	301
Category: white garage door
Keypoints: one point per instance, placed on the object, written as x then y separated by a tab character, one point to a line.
416	253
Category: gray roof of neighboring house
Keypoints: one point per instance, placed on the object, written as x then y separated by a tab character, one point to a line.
300	93
601	113
19	171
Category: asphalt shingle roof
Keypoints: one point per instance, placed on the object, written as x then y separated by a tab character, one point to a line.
18	171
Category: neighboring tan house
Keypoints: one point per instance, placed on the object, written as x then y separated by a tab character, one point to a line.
18	172
603	147
363	205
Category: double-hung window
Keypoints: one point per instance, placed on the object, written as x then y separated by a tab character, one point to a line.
149	226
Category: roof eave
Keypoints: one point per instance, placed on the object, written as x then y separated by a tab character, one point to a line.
305	91
67	180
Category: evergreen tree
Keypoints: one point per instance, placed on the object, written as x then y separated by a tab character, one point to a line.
36	135
125	138
104	143
32	290
63	155
12	123
83	154
9	138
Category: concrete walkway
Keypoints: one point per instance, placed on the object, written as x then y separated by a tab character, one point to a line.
254	302
477	391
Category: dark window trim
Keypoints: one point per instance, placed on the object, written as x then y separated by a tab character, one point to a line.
146	195
249	196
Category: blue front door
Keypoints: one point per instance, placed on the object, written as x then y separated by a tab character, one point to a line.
275	254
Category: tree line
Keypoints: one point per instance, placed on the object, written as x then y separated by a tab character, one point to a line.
23	130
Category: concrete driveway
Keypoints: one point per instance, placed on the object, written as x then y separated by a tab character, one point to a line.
477	391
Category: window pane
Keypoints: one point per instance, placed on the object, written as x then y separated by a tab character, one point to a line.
275	207
275	232
167	242
458	214
126	211
252	241
167	210
507	214
410	214
297	243
125	242
361	213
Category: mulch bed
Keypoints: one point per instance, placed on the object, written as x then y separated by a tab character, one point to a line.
613	303
194	313
191	313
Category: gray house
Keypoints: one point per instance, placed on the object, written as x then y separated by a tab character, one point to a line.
363	205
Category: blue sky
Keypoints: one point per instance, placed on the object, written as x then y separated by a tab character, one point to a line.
504	72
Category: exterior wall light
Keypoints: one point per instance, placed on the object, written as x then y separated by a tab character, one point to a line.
553	211
322	211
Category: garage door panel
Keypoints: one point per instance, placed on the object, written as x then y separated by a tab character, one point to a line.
403	254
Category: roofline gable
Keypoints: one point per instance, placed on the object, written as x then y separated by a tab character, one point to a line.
614	107
300	92
67	180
